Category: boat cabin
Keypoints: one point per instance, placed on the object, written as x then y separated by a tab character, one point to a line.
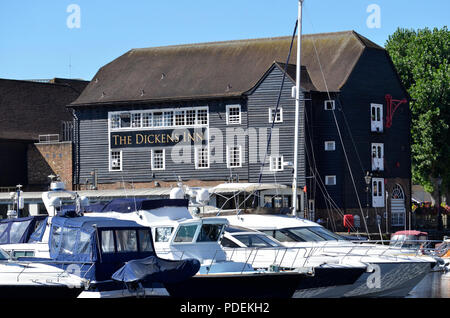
409	238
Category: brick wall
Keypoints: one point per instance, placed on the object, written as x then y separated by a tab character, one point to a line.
49	158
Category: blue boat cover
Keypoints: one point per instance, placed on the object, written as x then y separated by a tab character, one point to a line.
19	230
158	270
127	205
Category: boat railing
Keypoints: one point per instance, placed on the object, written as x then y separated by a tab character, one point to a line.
73	268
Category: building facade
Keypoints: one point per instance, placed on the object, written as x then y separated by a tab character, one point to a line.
216	112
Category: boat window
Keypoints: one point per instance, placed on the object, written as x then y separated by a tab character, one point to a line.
185	233
107	242
84	245
306	235
3	234
17	231
126	241
228	243
56	237
284	236
329	236
68	240
162	234
210	232
3	255
38	232
145	241
255	240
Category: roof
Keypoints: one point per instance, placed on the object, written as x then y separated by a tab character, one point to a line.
219	69
23	103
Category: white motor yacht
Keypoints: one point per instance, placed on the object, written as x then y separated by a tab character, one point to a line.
389	275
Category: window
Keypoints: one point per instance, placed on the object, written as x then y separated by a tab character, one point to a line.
209	232
378	157
233	114
126	241
168	118
115	121
185	233
147	119
278	117
145	241
68	240
125	120
202	117
329	105
158	159
162	234
190	117
330	180
330	146
377	192
228	243
84	245
234	157
158	119
201	157
107	242
116	161
376	117
180	118
136	120
276	163
56	237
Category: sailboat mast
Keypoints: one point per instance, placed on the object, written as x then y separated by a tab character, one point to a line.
297	109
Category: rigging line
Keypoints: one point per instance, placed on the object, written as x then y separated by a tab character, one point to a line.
351	174
339	132
351	135
278	102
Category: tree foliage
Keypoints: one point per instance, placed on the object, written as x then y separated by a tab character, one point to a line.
421	58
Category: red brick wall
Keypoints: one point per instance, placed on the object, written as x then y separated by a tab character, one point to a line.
46	159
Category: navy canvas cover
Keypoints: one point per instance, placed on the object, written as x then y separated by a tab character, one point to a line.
19	230
127	205
157	270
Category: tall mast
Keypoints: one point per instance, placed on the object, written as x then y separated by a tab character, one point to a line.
297	108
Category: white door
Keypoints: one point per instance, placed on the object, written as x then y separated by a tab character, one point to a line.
398	210
376	117
377	157
377	192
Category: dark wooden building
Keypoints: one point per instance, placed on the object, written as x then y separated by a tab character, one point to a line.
204	112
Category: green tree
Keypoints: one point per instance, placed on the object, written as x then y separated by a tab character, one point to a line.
421	58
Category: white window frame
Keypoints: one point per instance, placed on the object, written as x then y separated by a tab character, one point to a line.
333	104
197	158
229	158
114	117
276	163
330	145
378	195
329	178
377	162
111	169
377	123
153	159
234	119
278	118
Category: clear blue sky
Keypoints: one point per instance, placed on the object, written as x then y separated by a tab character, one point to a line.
36	43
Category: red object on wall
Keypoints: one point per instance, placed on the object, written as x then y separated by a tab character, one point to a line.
392	105
349	221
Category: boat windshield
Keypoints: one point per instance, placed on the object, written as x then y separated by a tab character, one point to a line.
256	240
304	234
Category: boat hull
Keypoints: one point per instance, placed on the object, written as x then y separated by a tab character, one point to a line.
39	291
256	285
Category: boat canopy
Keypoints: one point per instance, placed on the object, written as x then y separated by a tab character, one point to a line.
245	187
127	205
410	232
19	230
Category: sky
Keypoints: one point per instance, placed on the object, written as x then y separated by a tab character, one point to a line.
43	39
